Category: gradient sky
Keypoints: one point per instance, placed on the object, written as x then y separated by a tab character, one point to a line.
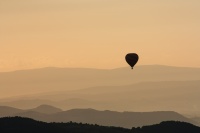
98	33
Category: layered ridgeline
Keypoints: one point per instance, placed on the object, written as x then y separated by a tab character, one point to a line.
179	96
146	88
48	113
63	79
24	125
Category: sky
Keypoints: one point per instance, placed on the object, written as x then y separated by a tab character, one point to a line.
98	33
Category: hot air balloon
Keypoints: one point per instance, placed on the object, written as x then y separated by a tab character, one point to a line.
132	59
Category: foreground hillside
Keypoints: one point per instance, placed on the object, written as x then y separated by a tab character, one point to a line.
25	125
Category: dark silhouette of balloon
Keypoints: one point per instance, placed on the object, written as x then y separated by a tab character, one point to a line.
132	59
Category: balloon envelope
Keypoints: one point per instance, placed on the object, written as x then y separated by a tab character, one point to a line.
132	59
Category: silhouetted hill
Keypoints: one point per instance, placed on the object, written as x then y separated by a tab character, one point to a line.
168	127
62	79
46	109
105	118
25	125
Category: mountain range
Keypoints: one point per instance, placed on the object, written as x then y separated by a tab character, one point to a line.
179	96
48	113
145	88
44	80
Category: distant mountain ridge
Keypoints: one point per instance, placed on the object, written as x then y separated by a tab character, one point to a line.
43	109
105	118
146	88
178	96
46	109
8	111
62	79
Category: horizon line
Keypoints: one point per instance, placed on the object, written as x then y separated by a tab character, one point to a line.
56	67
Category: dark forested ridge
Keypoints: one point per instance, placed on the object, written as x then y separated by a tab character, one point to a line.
26	125
168	127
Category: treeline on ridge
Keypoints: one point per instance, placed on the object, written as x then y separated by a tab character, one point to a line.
27	125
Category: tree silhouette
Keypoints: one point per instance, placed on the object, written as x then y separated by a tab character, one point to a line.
26	125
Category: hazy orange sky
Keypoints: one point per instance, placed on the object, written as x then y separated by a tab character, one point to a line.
98	33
